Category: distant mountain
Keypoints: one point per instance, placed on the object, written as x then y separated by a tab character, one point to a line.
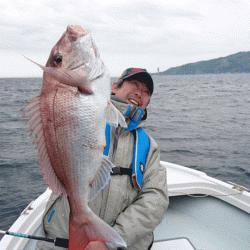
236	63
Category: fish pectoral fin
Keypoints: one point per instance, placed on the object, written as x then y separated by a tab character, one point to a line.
101	178
42	67
114	116
70	78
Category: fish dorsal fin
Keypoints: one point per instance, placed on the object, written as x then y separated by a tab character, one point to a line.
114	116
101	178
36	128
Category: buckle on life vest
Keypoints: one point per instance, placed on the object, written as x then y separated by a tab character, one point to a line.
121	171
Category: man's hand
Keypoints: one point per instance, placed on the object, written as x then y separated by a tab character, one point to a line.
96	245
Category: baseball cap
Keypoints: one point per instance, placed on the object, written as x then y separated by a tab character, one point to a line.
137	73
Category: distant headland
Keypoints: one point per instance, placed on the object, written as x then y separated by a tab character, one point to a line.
235	63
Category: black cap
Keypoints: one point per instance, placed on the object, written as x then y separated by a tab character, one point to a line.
135	73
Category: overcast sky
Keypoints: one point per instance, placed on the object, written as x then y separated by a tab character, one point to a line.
129	33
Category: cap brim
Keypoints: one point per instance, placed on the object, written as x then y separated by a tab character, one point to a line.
137	73
149	80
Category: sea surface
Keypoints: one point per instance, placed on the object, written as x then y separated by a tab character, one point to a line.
201	121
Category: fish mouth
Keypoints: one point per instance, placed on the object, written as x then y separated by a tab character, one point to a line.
78	66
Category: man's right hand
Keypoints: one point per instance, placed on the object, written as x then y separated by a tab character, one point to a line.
96	245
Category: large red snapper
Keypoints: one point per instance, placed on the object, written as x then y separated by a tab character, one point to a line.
68	120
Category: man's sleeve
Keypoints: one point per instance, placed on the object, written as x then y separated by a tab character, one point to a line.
145	214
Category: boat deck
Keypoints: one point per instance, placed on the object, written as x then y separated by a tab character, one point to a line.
208	223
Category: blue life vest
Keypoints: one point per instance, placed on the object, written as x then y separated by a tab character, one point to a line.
140	151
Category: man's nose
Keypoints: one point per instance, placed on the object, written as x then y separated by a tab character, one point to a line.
138	92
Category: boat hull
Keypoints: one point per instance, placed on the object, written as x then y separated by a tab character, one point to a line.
204	213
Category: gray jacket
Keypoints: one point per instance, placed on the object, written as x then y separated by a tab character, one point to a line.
133	213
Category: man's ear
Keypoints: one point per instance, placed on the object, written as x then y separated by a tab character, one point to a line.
114	87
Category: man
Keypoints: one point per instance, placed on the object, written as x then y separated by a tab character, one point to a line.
135	199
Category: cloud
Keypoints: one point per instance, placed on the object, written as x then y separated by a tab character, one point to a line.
37	23
152	30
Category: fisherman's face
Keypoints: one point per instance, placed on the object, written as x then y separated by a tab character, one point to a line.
133	92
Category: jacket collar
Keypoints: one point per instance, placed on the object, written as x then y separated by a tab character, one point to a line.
133	115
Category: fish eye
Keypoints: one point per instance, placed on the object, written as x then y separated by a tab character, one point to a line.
57	59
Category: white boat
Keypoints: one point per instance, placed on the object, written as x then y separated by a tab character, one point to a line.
204	214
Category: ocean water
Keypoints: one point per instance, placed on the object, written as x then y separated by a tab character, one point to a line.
202	122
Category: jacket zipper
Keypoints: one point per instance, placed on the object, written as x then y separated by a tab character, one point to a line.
105	191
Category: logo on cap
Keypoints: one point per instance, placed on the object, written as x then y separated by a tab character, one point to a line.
132	71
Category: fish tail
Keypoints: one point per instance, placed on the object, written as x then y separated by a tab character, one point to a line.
78	238
91	228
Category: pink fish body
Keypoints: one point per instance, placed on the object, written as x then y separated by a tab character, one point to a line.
69	120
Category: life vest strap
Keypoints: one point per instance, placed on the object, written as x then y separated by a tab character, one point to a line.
140	153
121	171
141	149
